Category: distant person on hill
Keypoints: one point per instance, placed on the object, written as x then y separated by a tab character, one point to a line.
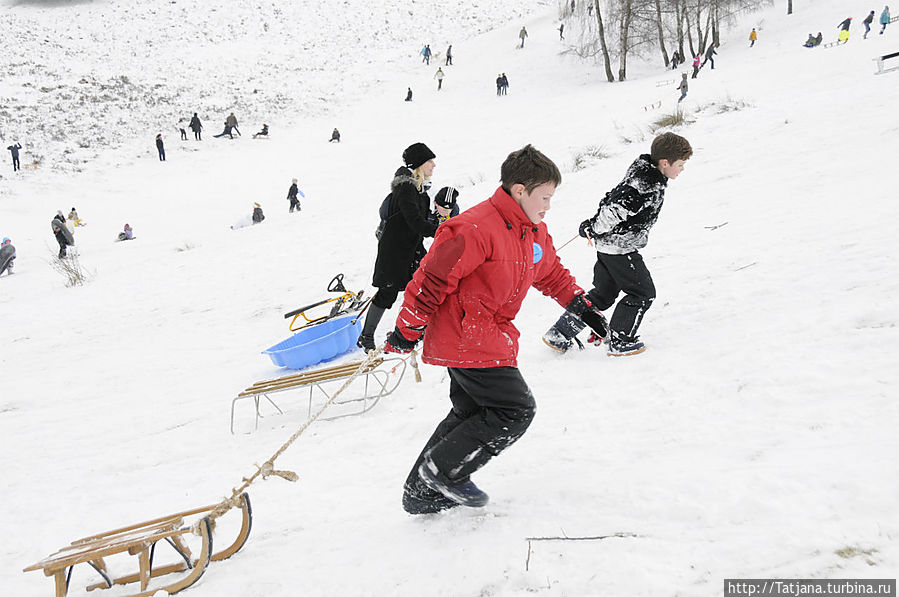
14	150
263	132
180	126
160	147
696	60
505	84
409	95
499	84
196	126
618	230
335	136
683	88
844	30
426	54
73	217
7	256
63	235
810	42
561	29
709	55
522	35
884	19
439	76
227	131
867	23
127	233
675	60
257	213
449	56
752	37
818	39
232	122
292	193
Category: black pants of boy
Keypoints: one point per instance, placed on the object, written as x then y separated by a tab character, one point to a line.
492	408
15	163
62	246
294	204
197	136
183	135
614	274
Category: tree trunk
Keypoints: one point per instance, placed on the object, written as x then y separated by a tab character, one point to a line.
716	27
789	7
679	16
661	33
607	61
693	51
624	25
700	38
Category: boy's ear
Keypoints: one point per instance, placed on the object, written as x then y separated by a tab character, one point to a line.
664	163
518	190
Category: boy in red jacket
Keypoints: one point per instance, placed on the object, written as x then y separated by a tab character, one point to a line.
466	292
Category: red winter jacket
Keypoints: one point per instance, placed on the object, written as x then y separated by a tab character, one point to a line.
473	280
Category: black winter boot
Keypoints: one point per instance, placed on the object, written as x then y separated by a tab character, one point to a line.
366	340
562	334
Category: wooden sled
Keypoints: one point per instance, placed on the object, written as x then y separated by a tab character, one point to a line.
375	377
140	540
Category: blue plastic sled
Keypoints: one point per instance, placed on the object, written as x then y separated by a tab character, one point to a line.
317	343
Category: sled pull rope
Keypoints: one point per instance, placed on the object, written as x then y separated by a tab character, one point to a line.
268	467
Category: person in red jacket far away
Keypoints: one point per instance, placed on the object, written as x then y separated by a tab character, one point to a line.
466	292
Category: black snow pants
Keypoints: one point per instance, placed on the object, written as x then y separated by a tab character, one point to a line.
15	163
492	408
294	205
614	274
62	245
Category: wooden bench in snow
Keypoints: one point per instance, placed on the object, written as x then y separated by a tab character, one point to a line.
879	60
375	379
140	540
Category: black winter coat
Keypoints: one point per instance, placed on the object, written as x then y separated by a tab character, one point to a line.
195	124
627	212
407	224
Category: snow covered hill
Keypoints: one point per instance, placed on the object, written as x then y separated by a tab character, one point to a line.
84	76
756	437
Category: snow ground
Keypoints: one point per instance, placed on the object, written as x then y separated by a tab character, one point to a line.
756	437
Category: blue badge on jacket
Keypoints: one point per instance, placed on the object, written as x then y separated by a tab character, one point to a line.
538	253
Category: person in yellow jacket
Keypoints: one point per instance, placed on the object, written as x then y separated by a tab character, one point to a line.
752	37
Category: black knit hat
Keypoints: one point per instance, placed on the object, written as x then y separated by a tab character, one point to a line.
417	154
446	197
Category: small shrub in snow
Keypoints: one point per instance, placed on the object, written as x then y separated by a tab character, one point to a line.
587	156
71	269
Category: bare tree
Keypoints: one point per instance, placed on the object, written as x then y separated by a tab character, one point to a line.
661	32
607	60
789	7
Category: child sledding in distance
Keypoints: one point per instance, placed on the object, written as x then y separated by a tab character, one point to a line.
618	230
462	301
127	233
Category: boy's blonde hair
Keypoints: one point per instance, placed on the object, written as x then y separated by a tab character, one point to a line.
671	147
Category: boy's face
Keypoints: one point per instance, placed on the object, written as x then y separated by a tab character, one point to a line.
671	169
536	203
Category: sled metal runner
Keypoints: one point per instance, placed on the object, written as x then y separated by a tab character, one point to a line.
141	540
375	378
347	302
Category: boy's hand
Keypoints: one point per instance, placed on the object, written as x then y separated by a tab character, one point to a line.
586	229
398	343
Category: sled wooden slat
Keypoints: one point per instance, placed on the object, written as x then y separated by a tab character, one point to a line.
140	540
375	377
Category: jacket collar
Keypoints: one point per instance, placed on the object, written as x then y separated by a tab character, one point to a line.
510	211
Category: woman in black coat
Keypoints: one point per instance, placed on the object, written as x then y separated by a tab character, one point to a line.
399	248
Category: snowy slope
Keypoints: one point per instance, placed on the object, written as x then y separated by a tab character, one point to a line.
755	437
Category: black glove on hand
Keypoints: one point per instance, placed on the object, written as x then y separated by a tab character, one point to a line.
586	312
586	229
396	342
